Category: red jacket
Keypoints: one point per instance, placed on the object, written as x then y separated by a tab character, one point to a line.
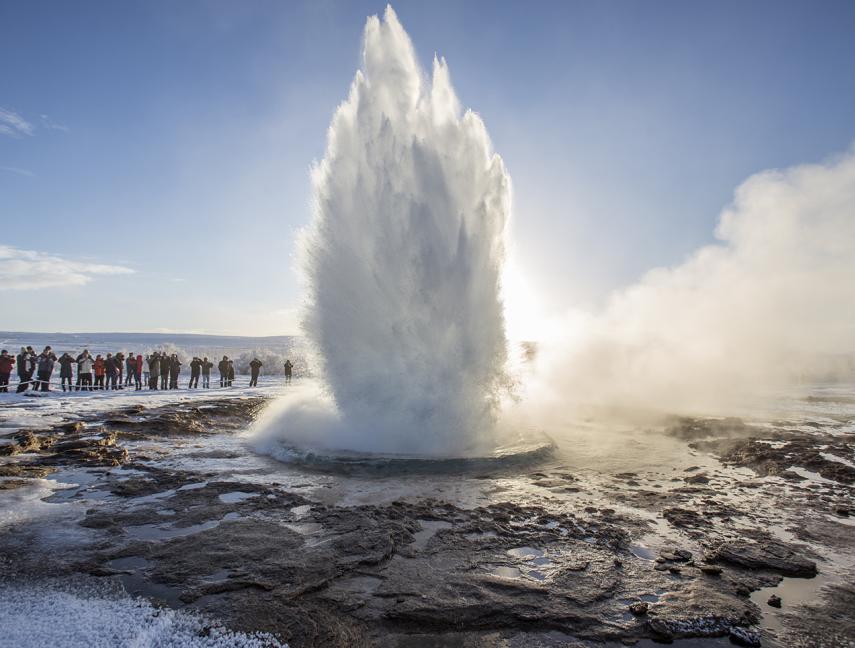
99	367
6	363
139	365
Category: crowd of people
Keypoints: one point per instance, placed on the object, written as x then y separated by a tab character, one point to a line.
158	370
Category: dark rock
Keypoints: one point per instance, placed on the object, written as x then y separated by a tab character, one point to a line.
774	601
710	570
639	608
770	555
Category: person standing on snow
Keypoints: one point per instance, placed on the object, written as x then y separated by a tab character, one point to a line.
231	372
65	374
84	368
206	372
288	367
223	366
174	370
255	367
130	368
164	371
45	364
153	370
138	370
100	368
6	362
24	371
195	370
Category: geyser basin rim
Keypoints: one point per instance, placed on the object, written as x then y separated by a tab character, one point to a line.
322	458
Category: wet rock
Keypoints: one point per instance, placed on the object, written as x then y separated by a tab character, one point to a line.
639	608
774	601
744	637
686	518
710	570
769	555
700	478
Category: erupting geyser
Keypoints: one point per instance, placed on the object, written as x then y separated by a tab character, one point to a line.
403	261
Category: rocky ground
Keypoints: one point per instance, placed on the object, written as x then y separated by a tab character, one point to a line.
727	531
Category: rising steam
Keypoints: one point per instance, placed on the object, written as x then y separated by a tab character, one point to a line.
771	305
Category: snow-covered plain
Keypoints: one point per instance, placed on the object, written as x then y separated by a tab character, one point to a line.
44	409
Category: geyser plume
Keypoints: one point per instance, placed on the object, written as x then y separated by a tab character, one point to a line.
402	263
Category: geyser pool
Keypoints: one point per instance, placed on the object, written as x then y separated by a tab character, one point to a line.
402	263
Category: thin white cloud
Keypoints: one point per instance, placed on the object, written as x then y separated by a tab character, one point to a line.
50	124
18	171
31	270
13	125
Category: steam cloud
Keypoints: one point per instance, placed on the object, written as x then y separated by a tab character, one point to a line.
770	305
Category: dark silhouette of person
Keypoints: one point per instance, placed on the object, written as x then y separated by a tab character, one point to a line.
110	366
65	372
165	364
206	372
45	363
25	371
153	370
223	366
174	370
231	372
195	370
288	367
255	367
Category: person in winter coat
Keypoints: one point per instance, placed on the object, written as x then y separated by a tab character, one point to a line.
45	364
206	372
65	362
25	371
288	367
153	369
100	368
6	363
138	370
79	373
112	370
195	370
223	366
119	359
231	372
84	368
164	371
254	367
174	370
130	368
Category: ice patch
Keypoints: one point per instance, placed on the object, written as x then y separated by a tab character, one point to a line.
54	614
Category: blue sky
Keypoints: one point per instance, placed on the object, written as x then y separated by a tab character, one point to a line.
175	140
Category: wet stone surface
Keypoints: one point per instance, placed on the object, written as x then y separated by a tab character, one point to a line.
171	504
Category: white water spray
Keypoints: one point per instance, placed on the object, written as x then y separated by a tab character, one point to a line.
403	262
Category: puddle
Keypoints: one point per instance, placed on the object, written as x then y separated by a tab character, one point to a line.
503	571
811	476
793	592
526	553
160	532
643	551
235	497
194	486
429	529
300	511
832	457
